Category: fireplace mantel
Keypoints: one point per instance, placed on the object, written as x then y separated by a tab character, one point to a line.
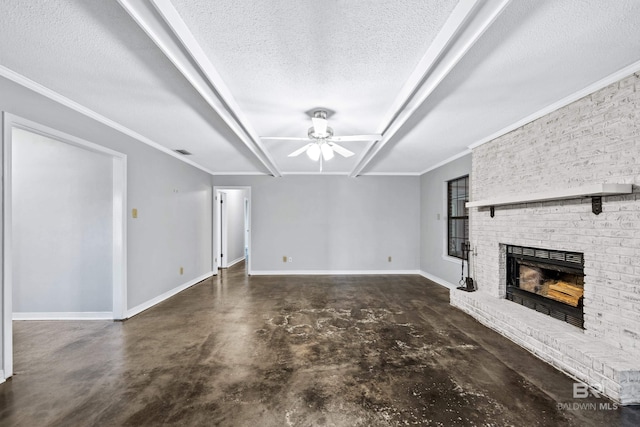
593	190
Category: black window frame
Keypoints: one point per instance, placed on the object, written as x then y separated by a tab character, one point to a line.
457	235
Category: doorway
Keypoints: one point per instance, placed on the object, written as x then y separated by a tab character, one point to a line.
66	217
232	227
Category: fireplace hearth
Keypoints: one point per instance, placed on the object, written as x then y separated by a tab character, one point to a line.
548	281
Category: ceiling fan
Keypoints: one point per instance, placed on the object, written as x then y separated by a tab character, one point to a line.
323	142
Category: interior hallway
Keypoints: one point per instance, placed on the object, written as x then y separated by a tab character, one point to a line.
276	351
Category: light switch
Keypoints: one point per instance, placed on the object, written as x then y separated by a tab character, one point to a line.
134	213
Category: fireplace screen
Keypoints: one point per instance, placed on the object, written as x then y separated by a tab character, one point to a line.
548	281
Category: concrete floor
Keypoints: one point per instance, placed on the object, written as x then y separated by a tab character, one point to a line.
290	351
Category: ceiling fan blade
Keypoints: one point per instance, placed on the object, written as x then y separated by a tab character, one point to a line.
299	151
340	150
283	138
356	138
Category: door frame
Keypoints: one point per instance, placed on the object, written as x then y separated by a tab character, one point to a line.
245	224
220	198
216	223
119	225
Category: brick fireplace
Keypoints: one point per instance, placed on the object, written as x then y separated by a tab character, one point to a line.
593	143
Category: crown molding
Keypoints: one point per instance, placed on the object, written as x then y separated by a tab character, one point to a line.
240	174
391	174
85	111
594	87
446	161
314	173
586	91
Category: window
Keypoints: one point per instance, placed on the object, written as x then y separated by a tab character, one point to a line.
457	215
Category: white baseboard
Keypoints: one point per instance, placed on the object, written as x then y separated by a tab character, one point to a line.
148	304
2	378
438	280
82	315
235	261
328	272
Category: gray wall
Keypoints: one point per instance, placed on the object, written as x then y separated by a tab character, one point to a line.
62	226
333	223
174	202
433	231
235	224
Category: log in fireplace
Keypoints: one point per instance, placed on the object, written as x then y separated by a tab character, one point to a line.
548	281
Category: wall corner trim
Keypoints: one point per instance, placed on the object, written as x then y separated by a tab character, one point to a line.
153	301
437	280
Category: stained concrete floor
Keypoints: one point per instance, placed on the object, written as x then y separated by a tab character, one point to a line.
290	351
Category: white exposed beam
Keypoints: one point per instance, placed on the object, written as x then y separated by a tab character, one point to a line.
466	24
182	32
364	153
440	43
181	48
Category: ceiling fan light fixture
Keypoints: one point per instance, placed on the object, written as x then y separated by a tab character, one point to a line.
321	142
314	152
327	151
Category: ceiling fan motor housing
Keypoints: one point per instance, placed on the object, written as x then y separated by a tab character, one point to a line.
311	133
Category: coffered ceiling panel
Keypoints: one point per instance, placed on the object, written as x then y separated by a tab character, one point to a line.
282	58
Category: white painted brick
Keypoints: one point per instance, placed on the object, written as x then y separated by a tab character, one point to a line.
590	359
591	141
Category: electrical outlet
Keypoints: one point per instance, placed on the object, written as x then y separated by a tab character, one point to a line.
389	259
284	258
290	259
181	270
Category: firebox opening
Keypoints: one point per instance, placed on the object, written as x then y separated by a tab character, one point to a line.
548	281
567	288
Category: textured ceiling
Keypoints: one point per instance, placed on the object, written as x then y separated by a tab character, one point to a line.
535	54
281	59
93	53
